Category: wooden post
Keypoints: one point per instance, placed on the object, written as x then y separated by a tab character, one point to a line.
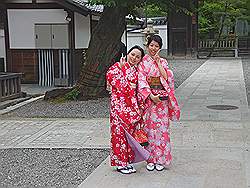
1	90
72	63
19	85
236	47
169	33
6	34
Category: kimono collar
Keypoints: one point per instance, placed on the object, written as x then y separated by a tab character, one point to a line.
150	58
127	64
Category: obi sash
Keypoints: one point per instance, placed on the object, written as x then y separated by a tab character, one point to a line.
155	83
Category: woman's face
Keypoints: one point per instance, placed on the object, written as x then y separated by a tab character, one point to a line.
153	47
134	57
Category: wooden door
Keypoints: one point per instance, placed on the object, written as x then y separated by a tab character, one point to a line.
179	43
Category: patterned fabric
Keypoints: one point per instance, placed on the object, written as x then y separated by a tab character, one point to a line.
156	117
124	111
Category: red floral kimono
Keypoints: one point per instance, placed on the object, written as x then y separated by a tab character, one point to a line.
124	111
156	117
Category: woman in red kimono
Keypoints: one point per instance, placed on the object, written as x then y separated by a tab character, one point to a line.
122	78
156	85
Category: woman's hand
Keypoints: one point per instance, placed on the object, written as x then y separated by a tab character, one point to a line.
157	57
122	61
163	72
109	87
155	98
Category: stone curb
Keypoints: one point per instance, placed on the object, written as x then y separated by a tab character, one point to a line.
10	108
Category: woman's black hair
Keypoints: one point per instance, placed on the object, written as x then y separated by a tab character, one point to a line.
139	48
155	38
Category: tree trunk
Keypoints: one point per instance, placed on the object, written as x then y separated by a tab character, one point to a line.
104	44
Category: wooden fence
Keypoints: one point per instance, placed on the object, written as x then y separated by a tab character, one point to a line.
10	86
222	44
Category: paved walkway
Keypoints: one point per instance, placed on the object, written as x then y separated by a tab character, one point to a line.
210	147
216	82
35	89
54	133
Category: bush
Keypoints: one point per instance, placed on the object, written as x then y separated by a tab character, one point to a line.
73	94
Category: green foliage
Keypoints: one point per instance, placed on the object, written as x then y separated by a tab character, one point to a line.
152	8
154	11
73	94
58	100
211	13
246	11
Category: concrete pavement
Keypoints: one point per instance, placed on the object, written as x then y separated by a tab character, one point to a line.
210	147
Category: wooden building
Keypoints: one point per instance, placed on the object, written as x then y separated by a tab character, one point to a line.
183	30
45	39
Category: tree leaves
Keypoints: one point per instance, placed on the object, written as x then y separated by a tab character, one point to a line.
211	12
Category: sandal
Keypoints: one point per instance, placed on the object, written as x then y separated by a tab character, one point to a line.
150	166
131	168
123	169
159	167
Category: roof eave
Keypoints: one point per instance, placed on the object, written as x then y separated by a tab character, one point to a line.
81	10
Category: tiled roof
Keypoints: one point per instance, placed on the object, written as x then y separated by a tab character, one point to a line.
84	3
158	20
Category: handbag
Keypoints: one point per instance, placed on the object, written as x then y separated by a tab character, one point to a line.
163	98
141	136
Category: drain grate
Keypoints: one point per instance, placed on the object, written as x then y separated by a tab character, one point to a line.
222	107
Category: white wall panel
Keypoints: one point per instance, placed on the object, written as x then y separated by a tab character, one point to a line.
22	22
137	38
164	35
82	30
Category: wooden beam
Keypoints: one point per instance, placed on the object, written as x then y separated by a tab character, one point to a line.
72	63
196	28
58	4
33	6
6	38
91	23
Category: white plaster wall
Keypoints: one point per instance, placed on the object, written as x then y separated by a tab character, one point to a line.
133	38
82	31
123	39
21	24
164	35
137	38
2	47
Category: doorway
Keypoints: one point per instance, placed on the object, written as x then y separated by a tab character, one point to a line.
179	43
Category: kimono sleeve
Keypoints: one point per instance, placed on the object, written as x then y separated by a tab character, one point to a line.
143	86
116	80
170	80
164	63
173	107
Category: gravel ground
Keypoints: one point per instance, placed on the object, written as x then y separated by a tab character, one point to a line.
74	109
95	108
246	72
48	167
